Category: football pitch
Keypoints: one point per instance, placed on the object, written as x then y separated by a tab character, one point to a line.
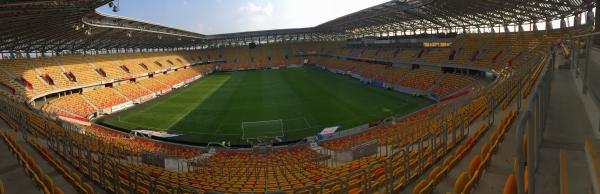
291	102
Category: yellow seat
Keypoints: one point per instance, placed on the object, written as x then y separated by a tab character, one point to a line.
460	183
471	183
87	188
417	189
473	165
448	160
434	173
48	182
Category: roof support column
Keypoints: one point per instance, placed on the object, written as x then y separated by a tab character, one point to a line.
577	20
521	27
548	25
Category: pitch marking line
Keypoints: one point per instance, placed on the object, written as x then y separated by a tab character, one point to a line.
307	123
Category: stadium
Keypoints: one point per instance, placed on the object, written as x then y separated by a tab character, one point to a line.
405	96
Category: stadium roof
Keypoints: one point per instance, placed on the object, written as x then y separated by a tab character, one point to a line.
403	15
57	25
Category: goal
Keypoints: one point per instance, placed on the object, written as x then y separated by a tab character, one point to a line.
257	130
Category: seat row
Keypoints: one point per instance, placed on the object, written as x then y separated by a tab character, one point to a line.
83	104
32	168
64	170
46	74
466	180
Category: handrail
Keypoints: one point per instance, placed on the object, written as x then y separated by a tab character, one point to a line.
532	121
588	34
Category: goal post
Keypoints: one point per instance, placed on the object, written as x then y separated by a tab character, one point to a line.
262	129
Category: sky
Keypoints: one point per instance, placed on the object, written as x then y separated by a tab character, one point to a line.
227	16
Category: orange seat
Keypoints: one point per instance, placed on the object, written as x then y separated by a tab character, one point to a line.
354	191
448	160
473	165
525	146
485	149
58	191
434	173
526	179
510	186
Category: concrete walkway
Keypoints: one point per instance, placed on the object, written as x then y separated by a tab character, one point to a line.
567	126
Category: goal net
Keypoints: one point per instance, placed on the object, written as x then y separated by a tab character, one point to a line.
262	130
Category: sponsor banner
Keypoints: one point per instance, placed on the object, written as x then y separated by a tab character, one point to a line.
147	97
76	120
329	130
354	75
154	133
456	95
122	106
178	85
166	91
336	71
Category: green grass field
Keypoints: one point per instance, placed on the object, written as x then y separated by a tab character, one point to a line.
306	100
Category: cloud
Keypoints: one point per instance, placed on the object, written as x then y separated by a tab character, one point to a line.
252	16
251	8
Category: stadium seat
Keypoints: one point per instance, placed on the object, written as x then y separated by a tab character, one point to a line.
57	191
510	186
460	183
526	179
435	173
419	188
485	149
473	165
471	183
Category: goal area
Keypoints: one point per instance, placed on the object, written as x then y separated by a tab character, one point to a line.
257	130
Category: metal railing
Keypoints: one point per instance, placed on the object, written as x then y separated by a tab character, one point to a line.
531	123
583	55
